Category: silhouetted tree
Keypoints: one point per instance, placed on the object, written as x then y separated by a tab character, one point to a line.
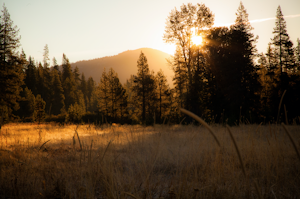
284	55
77	76
245	71
28	105
112	96
83	88
57	98
11	65
297	57
103	91
144	88
163	93
179	29
46	91
282	44
180	77
68	82
91	95
31	76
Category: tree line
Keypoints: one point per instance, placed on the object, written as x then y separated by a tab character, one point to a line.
222	80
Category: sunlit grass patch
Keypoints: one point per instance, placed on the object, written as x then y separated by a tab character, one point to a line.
48	161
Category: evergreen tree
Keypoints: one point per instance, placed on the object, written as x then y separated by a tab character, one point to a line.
297	57
144	89
83	88
47	92
91	95
83	85
130	98
243	67
163	93
221	86
11	74
28	105
68	82
284	56
112	96
180	78
77	76
40	79
90	87
31	76
272	62
282	43
58	98
267	82
103	92
56	67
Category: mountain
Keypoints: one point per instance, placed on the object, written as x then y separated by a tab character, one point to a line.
125	64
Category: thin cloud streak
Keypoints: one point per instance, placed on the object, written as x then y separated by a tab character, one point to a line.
272	18
259	20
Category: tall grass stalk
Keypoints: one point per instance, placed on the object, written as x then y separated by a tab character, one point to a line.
237	151
201	121
242	163
280	106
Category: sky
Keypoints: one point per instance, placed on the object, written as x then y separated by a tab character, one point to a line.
89	29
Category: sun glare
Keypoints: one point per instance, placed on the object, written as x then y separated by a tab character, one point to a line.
197	40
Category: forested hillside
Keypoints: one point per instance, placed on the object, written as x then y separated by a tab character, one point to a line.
125	64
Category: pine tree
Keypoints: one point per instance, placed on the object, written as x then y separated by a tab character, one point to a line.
91	95
83	88
272	62
180	79
56	67
77	76
243	67
297	57
163	93
144	88
40	79
68	83
28	105
57	98
31	76
112	96
11	74
47	92
282	43
103	92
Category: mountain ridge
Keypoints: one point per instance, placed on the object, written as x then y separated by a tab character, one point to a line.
125	64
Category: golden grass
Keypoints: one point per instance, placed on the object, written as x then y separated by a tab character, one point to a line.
147	162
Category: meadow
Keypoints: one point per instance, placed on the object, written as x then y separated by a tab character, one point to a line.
160	161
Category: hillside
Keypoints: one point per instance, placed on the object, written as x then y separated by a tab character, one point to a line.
125	64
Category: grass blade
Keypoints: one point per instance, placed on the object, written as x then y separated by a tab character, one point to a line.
43	145
280	106
237	150
201	121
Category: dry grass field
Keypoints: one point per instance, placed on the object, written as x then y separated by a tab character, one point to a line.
87	161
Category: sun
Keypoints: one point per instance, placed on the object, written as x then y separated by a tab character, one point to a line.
197	40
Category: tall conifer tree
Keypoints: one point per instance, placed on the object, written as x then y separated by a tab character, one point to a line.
144	88
58	98
68	83
282	43
11	73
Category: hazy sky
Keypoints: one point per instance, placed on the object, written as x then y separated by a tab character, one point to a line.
88	29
